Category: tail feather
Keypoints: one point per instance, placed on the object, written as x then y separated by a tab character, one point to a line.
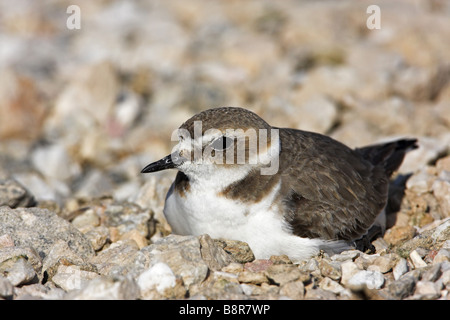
390	155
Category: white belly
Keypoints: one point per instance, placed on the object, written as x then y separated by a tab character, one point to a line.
259	225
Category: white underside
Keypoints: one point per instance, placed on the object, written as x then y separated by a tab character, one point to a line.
201	211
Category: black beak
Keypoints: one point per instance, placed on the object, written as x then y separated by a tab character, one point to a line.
169	162
163	164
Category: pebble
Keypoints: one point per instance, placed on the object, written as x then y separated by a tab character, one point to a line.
159	277
426	290
370	279
417	259
294	290
27	225
400	268
13	194
349	269
106	288
72	277
18	271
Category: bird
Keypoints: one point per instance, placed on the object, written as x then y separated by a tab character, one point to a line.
282	191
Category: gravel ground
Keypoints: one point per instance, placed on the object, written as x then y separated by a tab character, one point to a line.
82	111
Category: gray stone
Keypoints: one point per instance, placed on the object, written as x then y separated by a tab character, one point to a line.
369	279
348	270
106	288
400	268
61	254
293	290
13	194
18	271
159	281
6	288
432	274
239	251
402	287
39	291
330	269
283	273
426	290
212	254
72	277
182	254
40	229
119	259
22	252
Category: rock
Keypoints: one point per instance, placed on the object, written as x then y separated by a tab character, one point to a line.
161	279
87	219
22	108
253	277
426	290
18	271
348	270
14	253
417	260
61	255
182	254
330	269
333	286
94	184
432	274
399	234
72	277
319	294
233	267
311	120
118	259
281	274
136	236
369	279
294	290
6	241
383	263
400	268
441	190
126	217
441	256
6	288
54	162
403	287
97	236
26	226
39	291
283	259
213	255
106	288
13	194
346	255
258	265
442	232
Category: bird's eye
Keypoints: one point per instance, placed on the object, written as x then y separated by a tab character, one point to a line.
222	143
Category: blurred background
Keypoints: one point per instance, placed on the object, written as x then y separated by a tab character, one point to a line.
82	111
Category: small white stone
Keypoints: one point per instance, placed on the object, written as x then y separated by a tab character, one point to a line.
159	277
371	279
348	269
400	268
417	260
330	285
429	289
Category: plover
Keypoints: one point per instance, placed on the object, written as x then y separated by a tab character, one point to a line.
283	191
